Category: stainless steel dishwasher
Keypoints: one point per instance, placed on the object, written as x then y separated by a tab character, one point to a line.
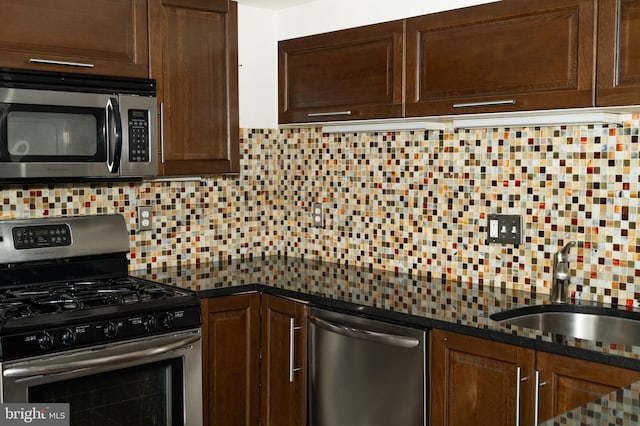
365	372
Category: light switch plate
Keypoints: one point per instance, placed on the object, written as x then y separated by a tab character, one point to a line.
504	229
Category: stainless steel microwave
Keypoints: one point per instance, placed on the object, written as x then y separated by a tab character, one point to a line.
63	126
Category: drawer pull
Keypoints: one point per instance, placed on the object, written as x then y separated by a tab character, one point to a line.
292	330
485	103
64	63
322	114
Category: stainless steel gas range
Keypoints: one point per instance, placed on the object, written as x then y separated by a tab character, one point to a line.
76	328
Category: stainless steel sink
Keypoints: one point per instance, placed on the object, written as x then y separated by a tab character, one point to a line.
583	322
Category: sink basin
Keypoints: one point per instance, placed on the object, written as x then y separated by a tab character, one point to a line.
583	322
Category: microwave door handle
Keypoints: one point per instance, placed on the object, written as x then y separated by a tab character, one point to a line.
113	162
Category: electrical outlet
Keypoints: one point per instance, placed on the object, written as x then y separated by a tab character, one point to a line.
317	215
505	229
145	218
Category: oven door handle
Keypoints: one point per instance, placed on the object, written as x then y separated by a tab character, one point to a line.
68	364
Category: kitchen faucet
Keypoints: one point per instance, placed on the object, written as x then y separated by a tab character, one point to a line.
561	274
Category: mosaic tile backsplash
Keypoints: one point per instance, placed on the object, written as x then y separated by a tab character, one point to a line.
405	201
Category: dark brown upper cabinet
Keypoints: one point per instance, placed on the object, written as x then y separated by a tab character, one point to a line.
95	37
507	56
342	75
194	58
618	52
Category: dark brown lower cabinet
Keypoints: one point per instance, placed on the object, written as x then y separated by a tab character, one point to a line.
284	362
480	382
254	361
230	359
475	382
570	383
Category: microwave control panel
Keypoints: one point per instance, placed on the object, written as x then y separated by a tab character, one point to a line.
138	136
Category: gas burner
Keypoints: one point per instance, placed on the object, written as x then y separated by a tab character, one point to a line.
97	300
44	309
13	310
158	292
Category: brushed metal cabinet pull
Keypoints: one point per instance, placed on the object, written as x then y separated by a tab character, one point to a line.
292	330
322	114
161	132
485	103
63	63
536	400
519	381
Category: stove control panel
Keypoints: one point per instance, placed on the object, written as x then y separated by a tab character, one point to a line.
29	237
54	339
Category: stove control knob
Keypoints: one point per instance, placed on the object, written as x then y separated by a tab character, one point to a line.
110	330
45	341
149	323
68	337
168	320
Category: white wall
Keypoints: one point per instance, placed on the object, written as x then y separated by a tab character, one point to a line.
330	15
260	29
258	68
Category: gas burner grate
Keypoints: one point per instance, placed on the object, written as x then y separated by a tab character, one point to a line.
59	297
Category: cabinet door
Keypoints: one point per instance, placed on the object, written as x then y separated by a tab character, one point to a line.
343	75
100	36
618	52
230	359
506	56
475	381
284	362
568	383
194	57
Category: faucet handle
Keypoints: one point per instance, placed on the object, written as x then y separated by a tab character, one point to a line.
561	256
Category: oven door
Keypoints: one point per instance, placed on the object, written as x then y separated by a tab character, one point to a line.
151	381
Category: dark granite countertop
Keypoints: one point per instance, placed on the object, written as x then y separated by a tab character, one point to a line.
425	300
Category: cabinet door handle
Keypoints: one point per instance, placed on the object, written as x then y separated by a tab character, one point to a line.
63	63
519	381
322	114
161	113
485	103
536	398
292	341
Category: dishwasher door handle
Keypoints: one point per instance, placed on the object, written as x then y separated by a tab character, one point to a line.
372	336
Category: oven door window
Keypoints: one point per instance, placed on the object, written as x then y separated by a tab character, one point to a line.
149	394
40	133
